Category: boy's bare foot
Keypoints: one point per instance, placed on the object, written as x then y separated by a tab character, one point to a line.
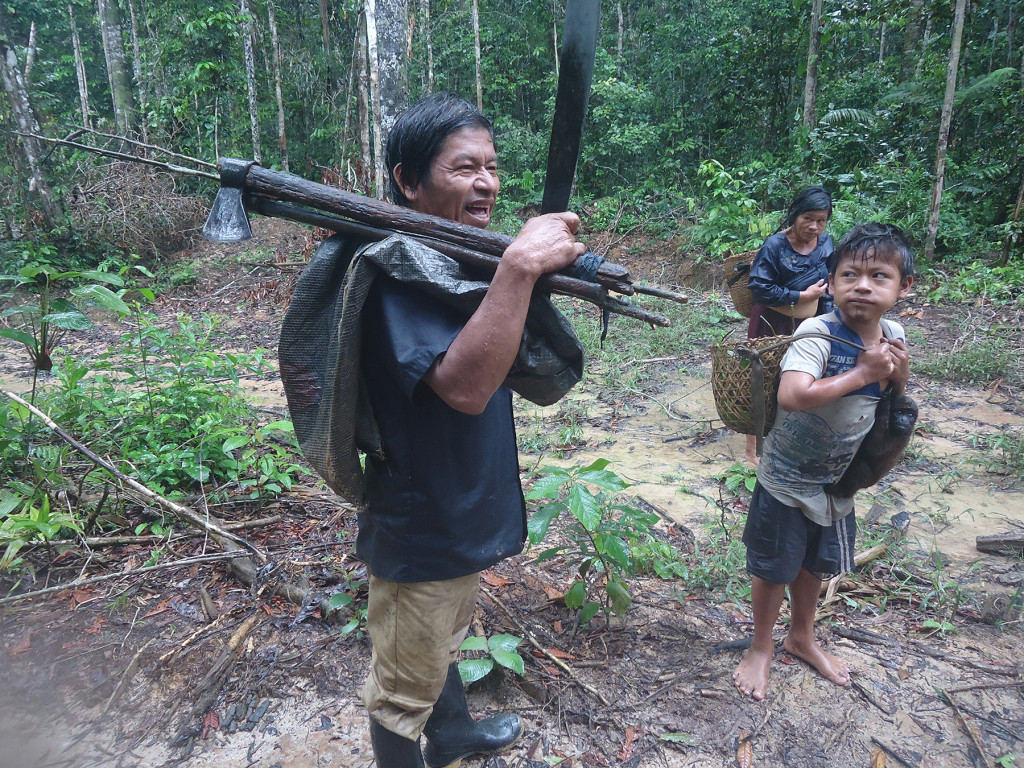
751	674
751	458
831	667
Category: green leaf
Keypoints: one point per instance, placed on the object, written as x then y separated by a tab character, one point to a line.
538	525
589	611
234	442
338	601
679	738
615	548
619	596
585	506
598	464
576	595
504	642
471	670
102	297
605	479
20	336
508	660
72	320
547	486
474	643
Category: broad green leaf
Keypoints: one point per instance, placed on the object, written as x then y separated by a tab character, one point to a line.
102	297
589	611
547	486
234	442
338	601
576	595
71	321
21	337
597	465
508	660
619	596
474	643
615	548
471	670
538	525
110	278
504	642
586	507
605	479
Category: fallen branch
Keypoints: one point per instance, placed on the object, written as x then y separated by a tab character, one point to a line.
893	753
1009	543
213	557
184	513
126	676
533	641
967	727
108	541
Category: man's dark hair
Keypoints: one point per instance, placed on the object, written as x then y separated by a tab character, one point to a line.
419	134
809	199
875	240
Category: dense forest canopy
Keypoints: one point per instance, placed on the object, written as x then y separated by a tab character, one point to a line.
702	114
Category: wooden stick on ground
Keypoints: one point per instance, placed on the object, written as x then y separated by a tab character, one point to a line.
967	727
533	641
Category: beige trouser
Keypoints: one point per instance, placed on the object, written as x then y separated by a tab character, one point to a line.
416	631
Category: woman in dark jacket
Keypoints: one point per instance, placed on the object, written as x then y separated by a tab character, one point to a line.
789	276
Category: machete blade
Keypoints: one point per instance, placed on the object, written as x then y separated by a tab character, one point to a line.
576	70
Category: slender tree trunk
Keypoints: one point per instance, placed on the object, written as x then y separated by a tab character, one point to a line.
30	54
25	119
373	67
121	96
554	35
250	79
83	83
137	70
992	48
476	52
881	43
425	4
325	25
911	36
1010	239
363	105
925	40
348	100
947	115
1011	30
811	81
392	62
618	39
275	53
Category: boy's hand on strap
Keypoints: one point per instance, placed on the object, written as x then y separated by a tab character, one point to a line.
901	365
877	363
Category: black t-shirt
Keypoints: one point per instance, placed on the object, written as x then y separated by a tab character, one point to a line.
446	500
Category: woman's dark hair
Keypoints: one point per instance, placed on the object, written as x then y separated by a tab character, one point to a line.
810	199
419	134
874	240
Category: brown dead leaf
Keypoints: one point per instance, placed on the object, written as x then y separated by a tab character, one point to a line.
97	625
877	758
210	723
163	605
629	745
79	596
553	594
561	654
745	751
24	645
557	625
903	674
494	579
785	658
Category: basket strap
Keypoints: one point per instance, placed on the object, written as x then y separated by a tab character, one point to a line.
741	271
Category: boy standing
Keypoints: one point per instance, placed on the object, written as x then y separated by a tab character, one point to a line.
796	533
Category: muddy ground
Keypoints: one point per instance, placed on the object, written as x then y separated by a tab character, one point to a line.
187	666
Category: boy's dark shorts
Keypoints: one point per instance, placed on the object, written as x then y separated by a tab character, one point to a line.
781	540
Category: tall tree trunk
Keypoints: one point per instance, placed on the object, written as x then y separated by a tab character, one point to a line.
250	79
373	67
275	53
881	43
1010	238
121	96
30	54
911	36
926	38
811	81
618	39
425	5
83	83
554	35
137	70
348	100
363	105
1011	29
992	48
392	62
476	51
25	119
947	115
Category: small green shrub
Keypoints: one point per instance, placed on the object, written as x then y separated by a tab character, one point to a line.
499	650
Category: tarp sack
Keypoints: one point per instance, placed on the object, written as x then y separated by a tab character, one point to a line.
319	349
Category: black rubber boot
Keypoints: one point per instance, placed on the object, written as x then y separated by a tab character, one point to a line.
453	734
392	750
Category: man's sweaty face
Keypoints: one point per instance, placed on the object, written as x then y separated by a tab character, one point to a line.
463	181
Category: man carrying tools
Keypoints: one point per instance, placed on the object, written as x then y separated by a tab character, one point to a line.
443	499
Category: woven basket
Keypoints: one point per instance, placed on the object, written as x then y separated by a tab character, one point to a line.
730	382
738	289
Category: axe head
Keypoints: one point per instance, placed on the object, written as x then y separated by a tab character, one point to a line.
228	222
